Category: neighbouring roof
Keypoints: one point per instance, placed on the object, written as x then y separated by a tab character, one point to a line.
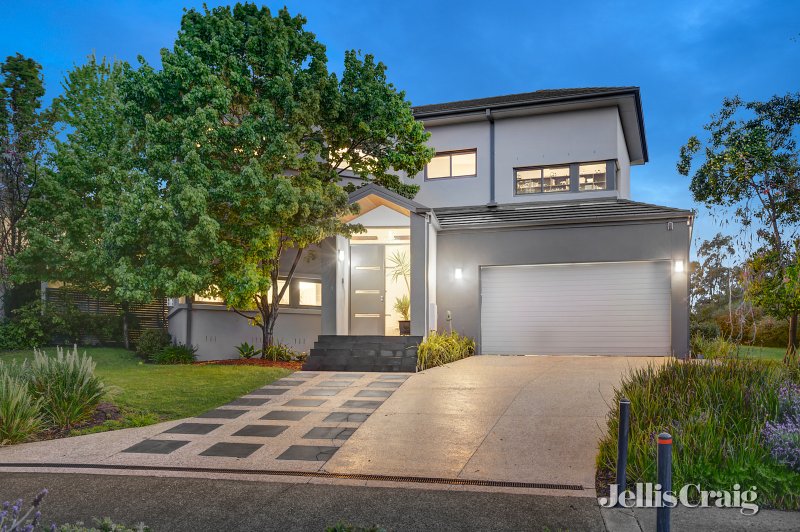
561	213
535	97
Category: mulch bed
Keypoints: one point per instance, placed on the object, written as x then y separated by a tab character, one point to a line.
602	480
104	412
253	362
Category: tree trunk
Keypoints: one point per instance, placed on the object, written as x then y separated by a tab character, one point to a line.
125	333
791	348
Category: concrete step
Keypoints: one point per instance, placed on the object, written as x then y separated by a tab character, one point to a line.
364	353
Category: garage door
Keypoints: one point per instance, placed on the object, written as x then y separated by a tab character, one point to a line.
620	308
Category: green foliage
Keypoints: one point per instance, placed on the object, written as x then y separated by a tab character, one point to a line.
102	525
713	348
283	353
20	414
343	526
442	348
175	354
402	305
152	341
247	350
715	411
66	385
246	133
25	133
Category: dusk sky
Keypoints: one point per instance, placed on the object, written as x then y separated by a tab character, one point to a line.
685	55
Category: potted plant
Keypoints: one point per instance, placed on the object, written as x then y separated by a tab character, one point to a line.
400	266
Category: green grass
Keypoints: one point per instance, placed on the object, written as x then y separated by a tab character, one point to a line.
767	353
149	393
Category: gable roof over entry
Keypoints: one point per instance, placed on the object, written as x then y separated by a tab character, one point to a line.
372	196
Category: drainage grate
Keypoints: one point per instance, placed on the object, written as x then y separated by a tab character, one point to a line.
317	474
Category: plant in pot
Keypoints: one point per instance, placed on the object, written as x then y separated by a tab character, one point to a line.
400	268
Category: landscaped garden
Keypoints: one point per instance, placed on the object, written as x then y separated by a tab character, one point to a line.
733	420
136	393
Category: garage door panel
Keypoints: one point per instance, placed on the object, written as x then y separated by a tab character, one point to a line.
600	308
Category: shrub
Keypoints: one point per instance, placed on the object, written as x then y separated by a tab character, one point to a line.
441	348
283	353
342	526
20	416
704	329
247	351
152	341
175	354
66	385
12	519
782	437
715	412
714	348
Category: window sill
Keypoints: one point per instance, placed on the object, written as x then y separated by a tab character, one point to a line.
222	308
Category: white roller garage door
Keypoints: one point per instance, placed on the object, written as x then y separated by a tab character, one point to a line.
619	308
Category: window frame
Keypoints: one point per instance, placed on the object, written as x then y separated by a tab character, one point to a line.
292	292
605	176
450	154
542	191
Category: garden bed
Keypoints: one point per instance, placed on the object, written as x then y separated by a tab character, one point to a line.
716	413
292	365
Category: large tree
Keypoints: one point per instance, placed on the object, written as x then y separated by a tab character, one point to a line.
750	166
96	222
246	133
25	130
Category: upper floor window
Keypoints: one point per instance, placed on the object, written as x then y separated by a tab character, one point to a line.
592	176
462	163
540	180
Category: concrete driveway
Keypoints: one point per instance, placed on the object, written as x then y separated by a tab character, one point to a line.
507	418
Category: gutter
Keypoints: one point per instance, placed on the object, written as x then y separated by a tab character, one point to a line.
573	221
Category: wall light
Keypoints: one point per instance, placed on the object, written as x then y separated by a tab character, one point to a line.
458	274
678	266
341	255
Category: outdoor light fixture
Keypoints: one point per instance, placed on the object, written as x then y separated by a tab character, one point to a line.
341	255
678	266
458	274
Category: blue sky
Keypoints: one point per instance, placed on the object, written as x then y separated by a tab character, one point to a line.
685	55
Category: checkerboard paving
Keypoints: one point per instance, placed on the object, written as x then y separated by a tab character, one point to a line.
295	423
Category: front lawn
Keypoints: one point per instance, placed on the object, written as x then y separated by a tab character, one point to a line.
148	393
767	353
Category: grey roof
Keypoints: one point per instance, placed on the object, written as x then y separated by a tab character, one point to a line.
513	100
550	213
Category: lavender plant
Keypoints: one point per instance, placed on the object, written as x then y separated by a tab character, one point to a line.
782	437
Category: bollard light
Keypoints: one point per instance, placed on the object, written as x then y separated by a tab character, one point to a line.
664	476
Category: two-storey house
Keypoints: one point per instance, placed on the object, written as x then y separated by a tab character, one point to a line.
523	235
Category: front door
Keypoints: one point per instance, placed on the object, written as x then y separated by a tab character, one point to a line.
367	289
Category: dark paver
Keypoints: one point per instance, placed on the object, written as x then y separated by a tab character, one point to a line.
312	453
335	384
156	446
384	384
232	450
321	392
346	417
193	428
269	391
222	413
261	431
285	382
286	415
329	433
393	377
355	403
349	376
374	393
247	401
305	402
304	374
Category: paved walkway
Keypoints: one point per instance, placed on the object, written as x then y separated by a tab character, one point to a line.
527	419
296	423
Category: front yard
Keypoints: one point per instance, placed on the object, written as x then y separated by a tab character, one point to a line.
149	393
